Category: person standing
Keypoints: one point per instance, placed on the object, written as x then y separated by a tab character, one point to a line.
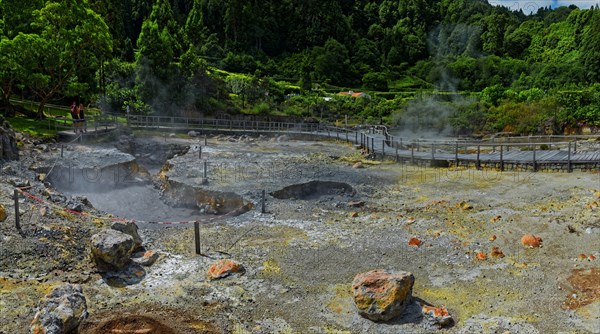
75	116
82	119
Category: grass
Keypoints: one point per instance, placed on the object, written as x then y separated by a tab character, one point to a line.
32	127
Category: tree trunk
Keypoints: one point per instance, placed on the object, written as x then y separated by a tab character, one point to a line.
40	111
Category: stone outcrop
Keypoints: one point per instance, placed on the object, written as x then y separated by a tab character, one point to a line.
128	228
223	268
8	141
112	249
61	311
381	295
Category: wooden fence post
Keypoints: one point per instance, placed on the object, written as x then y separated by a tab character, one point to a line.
197	237
17	216
456	153
569	169
501	159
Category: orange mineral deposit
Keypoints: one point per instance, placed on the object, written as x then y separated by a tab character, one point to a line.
531	241
414	242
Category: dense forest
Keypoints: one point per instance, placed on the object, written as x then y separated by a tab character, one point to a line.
460	66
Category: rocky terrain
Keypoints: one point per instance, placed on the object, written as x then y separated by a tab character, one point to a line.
508	252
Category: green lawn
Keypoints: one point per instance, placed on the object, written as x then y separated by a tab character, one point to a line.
32	127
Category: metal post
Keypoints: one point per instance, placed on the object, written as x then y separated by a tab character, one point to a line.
569	159
356	138
373	145
456	153
478	153
62	148
205	140
382	149
199	152
534	162
205	169
432	150
396	154
263	202
412	153
17	217
197	237
575	146
501	160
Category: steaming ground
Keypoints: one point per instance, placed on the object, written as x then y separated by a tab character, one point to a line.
301	256
140	203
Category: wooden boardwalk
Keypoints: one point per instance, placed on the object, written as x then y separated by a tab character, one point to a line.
374	140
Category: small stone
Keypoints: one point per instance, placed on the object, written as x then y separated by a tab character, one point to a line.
19	183
353	214
223	268
437	315
356	204
531	241
192	133
380	295
358	165
146	258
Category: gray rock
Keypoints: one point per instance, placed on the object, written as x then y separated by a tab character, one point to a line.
192	133
129	228
112	249
146	258
61	311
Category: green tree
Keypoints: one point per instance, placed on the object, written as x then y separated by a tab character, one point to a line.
590	49
155	66
64	50
194	26
332	62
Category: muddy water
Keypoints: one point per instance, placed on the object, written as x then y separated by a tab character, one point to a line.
139	202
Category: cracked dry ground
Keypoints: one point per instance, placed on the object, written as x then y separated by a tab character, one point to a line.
301	256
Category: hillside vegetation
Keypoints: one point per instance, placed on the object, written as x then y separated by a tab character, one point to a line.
454	66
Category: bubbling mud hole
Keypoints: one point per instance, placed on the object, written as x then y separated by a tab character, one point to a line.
313	190
133	324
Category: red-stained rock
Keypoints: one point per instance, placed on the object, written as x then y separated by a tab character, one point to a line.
437	315
223	268
531	241
381	295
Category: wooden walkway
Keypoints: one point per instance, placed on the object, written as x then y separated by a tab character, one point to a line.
375	141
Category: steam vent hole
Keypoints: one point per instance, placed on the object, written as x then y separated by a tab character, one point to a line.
314	190
134	324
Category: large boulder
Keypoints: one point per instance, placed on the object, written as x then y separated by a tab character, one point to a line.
61	311
381	295
112	249
129	228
